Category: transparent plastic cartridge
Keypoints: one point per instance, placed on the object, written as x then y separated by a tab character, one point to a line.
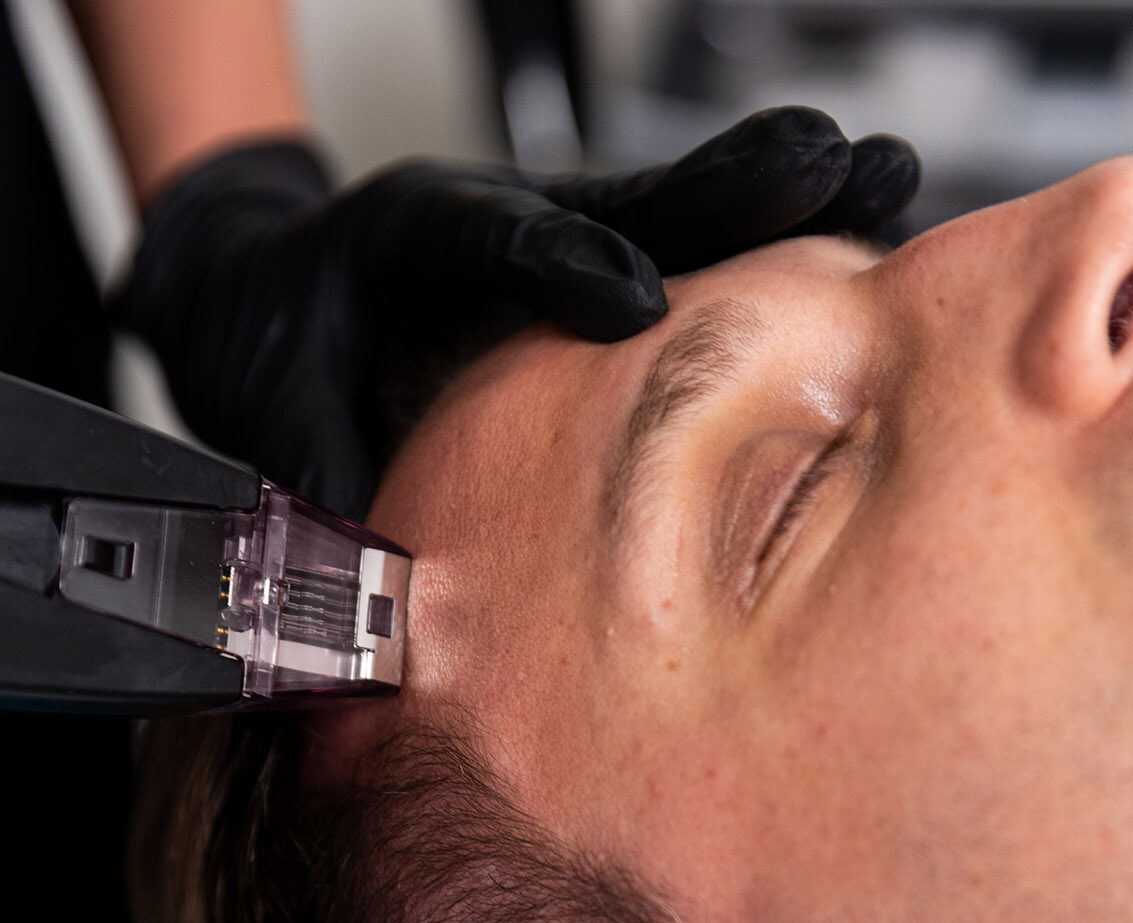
310	603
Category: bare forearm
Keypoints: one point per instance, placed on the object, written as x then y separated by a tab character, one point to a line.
183	77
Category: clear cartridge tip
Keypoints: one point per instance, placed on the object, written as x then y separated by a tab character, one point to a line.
310	603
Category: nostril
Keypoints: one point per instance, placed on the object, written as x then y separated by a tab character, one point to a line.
1121	314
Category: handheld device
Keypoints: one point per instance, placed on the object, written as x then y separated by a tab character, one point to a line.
141	575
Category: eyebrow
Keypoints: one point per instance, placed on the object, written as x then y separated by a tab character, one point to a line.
692	366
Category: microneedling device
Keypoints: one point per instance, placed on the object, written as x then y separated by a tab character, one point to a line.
140	575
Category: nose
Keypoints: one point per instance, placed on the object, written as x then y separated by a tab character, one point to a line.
1081	253
1023	292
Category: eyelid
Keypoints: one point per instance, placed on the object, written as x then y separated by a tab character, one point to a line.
802	494
772	483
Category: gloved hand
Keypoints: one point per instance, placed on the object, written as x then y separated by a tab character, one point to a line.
300	330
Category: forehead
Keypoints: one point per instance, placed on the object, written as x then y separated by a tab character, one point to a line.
787	266
538	388
527	434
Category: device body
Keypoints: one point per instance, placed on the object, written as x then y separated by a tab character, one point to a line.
140	575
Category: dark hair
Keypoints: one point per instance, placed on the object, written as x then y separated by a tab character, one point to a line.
227	829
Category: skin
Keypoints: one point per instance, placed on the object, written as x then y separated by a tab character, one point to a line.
182	80
921	705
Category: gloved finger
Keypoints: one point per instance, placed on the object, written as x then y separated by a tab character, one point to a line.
884	176
747	185
506	241
319	453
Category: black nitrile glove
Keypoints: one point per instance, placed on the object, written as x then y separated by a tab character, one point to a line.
302	330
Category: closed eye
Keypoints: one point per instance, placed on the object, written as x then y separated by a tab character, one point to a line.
803	494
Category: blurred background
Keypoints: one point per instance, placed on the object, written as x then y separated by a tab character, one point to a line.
998	97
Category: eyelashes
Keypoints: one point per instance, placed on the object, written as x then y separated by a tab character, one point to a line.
803	494
776	497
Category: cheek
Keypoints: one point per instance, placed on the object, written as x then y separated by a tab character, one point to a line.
947	699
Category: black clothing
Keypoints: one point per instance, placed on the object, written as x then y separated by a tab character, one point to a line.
65	778
52	328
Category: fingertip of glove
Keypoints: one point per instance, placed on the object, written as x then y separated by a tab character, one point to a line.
607	303
614	309
764	175
791	123
793	138
586	278
798	159
883	178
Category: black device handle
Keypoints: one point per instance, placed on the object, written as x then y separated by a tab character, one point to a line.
55	656
63	658
54	442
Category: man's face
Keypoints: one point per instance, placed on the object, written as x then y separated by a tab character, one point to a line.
815	601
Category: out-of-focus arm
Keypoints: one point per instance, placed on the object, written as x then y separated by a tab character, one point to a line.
184	77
